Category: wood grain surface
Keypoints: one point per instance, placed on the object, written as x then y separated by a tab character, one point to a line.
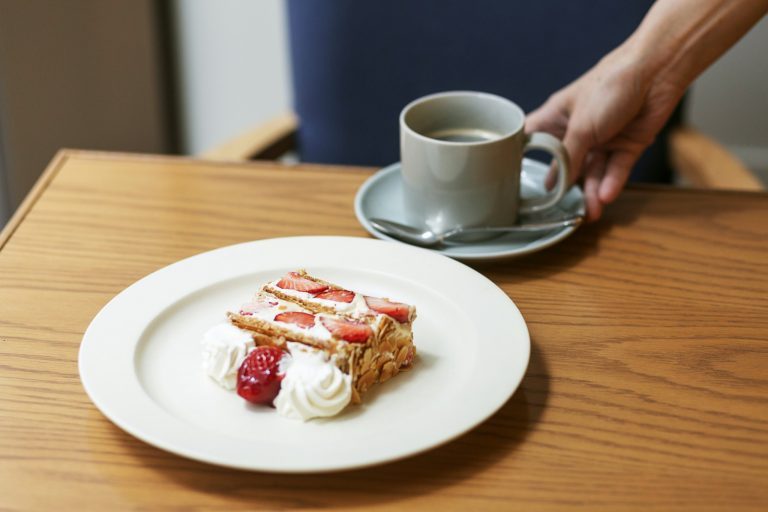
647	387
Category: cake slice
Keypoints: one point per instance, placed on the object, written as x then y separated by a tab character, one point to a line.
316	345
370	337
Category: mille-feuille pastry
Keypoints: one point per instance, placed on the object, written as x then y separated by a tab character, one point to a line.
310	347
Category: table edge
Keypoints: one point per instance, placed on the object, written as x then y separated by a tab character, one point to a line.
64	154
160	158
33	195
106	155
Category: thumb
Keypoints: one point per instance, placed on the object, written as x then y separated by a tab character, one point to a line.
546	118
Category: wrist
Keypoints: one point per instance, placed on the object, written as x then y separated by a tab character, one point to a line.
657	60
678	39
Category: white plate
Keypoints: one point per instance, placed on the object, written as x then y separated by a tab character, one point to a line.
140	357
382	196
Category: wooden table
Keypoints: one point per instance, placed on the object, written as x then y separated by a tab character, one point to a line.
647	387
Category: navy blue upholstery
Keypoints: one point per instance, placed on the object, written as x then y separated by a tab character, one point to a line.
356	63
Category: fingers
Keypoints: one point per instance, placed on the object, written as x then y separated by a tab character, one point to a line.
553	115
604	174
577	144
616	174
551	180
593	175
546	119
604	178
557	117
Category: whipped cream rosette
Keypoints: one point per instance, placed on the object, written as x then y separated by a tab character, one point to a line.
313	385
309	347
224	349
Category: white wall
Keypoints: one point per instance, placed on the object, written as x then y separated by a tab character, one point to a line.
233	67
730	100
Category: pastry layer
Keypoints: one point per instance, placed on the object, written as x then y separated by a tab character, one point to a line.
386	351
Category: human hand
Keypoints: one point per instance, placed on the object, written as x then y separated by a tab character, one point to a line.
606	118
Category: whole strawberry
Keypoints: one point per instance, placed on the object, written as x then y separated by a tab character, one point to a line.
259	377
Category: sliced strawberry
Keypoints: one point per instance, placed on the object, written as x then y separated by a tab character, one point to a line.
348	330
336	295
294	281
303	320
398	311
259	377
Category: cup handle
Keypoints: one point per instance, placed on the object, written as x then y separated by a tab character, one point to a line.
546	142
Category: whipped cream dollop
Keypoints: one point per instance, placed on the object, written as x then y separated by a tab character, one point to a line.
313	385
224	349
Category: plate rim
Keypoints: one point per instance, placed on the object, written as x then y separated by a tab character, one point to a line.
383	173
139	430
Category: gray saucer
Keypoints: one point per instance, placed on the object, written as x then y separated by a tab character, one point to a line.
382	196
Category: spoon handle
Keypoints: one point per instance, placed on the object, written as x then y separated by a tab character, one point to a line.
528	226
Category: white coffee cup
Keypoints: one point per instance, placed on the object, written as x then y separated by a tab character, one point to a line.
461	157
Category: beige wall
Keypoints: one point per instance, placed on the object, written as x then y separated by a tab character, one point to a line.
76	73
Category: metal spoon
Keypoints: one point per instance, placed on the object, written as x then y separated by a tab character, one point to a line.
426	238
